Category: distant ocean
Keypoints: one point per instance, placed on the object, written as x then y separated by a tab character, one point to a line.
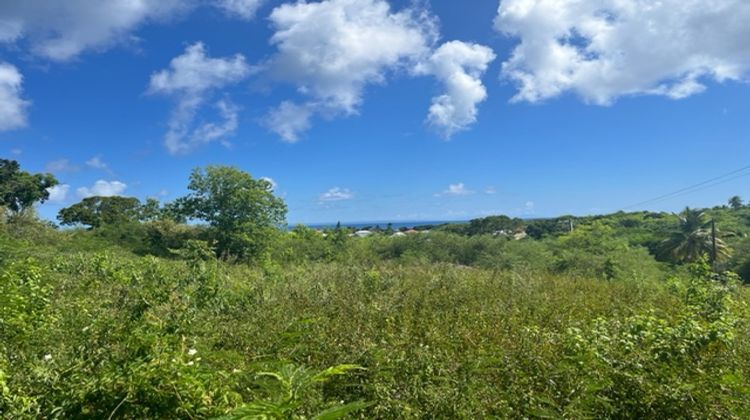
394	225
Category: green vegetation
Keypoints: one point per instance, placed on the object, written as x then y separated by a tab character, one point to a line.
140	315
20	189
98	211
242	213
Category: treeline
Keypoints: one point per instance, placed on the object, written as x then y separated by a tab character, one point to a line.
232	216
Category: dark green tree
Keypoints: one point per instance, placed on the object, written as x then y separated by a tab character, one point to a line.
19	190
98	211
242	213
735	202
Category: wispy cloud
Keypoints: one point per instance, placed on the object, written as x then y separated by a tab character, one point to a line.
455	190
61	30
61	166
96	162
190	79
336	194
243	9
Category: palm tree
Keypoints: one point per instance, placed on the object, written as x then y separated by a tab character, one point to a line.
735	202
693	239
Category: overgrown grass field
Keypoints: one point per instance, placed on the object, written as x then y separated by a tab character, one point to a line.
109	334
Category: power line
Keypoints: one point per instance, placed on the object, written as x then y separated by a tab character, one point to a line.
724	181
695	187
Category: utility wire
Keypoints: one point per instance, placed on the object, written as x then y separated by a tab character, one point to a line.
724	181
695	187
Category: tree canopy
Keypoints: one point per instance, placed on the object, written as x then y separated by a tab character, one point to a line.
98	211
736	202
19	189
242	212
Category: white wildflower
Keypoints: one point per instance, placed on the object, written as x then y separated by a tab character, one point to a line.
192	352
47	357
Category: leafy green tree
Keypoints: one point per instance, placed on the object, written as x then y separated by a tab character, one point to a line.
150	210
98	211
242	212
693	239
735	202
19	190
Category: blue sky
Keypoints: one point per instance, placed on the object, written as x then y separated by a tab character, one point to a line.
434	110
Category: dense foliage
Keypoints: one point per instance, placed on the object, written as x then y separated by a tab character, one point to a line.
140	317
93	334
98	211
20	189
241	212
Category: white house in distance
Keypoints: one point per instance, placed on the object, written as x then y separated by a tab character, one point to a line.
362	233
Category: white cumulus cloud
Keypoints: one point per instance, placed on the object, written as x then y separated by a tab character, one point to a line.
58	193
244	9
336	194
332	49
603	49
60	30
12	105
190	79
459	66
102	188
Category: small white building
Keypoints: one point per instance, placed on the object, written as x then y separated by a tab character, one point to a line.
362	233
